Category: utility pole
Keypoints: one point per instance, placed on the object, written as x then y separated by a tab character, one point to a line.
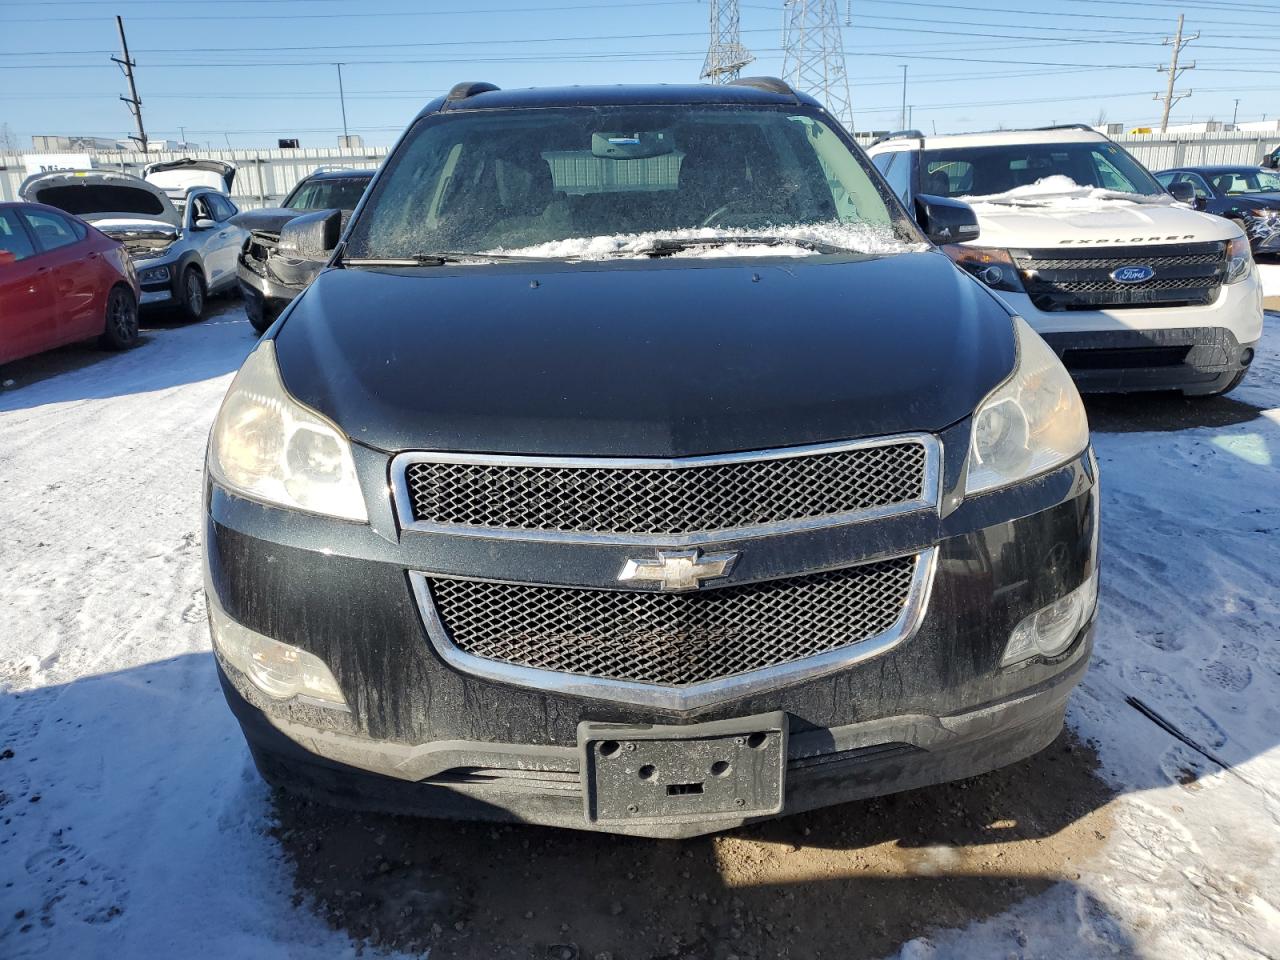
135	105
1174	72
342	99
726	56
902	120
1235	112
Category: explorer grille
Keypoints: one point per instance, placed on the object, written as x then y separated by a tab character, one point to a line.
1185	275
672	639
664	499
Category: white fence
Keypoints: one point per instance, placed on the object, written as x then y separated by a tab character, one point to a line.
263	177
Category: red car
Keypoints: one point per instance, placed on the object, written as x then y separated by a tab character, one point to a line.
61	281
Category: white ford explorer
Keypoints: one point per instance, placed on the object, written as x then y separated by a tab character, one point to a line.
1132	289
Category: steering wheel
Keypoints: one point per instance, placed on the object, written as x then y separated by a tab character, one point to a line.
711	219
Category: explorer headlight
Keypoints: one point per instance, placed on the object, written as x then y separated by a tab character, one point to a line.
1031	423
266	446
992	266
1239	260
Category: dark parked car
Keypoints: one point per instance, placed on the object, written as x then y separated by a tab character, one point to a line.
1248	195
61	281
637	465
268	281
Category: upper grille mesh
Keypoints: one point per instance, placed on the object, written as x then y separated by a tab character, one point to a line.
672	639
1184	274
666	500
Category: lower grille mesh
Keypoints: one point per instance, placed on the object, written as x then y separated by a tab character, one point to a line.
672	639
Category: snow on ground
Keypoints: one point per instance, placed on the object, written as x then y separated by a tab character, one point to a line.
1270	273
133	825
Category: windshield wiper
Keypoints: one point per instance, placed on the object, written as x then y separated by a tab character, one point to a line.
666	247
436	259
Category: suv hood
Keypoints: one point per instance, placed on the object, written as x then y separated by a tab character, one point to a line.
645	358
1061	221
178	176
102	197
266	219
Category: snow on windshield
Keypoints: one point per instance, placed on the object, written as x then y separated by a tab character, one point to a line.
872	240
1061	192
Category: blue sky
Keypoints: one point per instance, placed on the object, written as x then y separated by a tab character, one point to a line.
249	71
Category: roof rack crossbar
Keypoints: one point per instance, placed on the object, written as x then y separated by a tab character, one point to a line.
901	135
768	84
468	88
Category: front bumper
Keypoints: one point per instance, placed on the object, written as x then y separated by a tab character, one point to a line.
1197	350
423	736
263	294
159	292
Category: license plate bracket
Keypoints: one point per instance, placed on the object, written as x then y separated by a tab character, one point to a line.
723	770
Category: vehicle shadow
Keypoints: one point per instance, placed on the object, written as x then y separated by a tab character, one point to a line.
1164	412
167	355
854	881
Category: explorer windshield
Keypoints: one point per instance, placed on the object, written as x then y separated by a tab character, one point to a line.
984	171
549	182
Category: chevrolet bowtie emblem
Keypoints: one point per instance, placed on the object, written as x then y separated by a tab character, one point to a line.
677	570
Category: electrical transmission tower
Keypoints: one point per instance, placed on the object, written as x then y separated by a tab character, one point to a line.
813	54
1174	71
726	56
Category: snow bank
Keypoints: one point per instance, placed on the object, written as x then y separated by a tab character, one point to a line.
855	237
1270	273
1059	192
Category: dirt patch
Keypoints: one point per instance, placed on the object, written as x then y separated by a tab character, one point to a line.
851	881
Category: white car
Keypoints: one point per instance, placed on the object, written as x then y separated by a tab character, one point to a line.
175	224
1133	289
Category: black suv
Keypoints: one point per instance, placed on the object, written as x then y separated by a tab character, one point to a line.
269	281
638	465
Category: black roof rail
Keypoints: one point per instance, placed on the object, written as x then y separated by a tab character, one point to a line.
468	88
900	135
768	84
1068	126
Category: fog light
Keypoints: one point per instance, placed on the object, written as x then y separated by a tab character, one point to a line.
1050	630
279	670
1246	356
154	275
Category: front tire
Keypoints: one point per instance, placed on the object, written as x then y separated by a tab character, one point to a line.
121	329
194	295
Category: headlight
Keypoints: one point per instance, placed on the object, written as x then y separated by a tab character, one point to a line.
1050	630
992	266
279	670
1239	260
267	446
154	275
1265	213
1031	423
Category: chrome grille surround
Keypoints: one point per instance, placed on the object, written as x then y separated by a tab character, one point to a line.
675	651
1079	278
674	502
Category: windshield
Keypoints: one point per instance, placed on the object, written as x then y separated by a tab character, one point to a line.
328	194
1246	181
984	171
549	182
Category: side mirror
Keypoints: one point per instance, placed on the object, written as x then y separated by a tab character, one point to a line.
203	223
945	220
312	236
1273	160
1183	192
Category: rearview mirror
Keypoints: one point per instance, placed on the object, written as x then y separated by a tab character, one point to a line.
312	236
1182	191
203	223
945	220
632	146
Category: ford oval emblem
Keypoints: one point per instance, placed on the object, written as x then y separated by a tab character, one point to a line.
1135	273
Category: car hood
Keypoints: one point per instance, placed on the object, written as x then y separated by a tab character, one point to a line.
645	358
177	176
1270	201
1101	223
101	196
266	219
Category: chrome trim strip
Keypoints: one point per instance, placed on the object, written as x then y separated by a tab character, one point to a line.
928	500
695	695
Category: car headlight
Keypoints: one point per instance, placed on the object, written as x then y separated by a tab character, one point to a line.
992	266
266	446
279	670
1265	213
1049	631
1031	423
154	275
1239	260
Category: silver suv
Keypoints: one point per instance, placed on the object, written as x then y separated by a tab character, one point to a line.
175	224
